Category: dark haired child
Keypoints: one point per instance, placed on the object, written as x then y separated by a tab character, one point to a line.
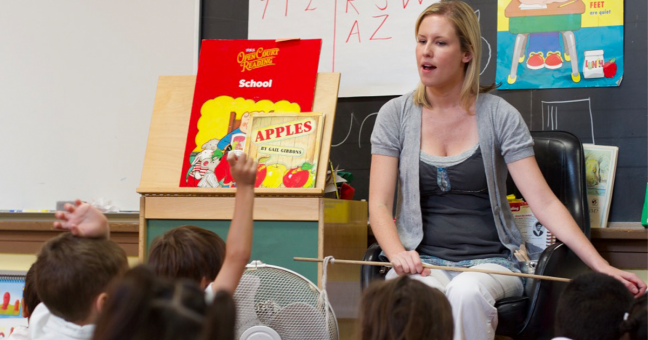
73	271
239	237
592	306
143	306
405	309
187	252
635	323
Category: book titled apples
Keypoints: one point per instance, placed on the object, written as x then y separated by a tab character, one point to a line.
287	148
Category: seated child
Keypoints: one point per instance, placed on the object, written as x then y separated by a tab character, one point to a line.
635	323
146	306
592	307
30	301
151	307
73	271
405	308
187	252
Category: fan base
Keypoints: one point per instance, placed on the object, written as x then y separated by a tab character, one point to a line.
260	333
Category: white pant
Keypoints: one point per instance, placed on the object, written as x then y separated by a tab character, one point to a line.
472	297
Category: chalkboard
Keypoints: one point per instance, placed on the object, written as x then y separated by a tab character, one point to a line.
611	116
77	85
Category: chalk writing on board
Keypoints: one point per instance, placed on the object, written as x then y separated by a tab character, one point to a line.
359	38
364	40
478	13
550	116
489	56
359	132
347	135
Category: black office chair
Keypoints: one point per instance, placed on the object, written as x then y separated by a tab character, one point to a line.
561	160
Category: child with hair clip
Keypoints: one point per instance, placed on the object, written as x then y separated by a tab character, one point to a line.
405	309
592	306
635	323
146	306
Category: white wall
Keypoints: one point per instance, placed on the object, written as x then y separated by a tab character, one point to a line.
77	84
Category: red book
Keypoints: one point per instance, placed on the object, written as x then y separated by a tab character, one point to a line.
236	78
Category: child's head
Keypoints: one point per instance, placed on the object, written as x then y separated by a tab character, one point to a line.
30	297
71	273
187	252
635	324
144	306
592	307
404	308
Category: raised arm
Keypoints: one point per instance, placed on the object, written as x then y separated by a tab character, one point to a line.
83	220
382	185
553	214
239	237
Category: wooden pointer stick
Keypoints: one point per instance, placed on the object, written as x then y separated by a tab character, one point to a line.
425	265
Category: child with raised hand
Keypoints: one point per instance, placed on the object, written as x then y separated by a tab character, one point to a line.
187	251
405	309
146	306
73	271
239	237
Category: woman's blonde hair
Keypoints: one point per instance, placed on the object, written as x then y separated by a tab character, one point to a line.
467	28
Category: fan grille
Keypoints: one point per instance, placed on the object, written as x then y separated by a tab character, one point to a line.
285	301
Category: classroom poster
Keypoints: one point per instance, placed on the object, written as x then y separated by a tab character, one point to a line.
11	303
287	148
559	43
237	78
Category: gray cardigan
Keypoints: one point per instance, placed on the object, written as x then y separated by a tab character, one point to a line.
503	138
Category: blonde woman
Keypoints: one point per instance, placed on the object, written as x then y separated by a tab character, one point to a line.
450	146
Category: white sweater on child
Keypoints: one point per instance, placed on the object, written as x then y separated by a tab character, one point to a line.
44	325
19	333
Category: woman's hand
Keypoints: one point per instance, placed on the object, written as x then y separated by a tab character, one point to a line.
636	286
408	262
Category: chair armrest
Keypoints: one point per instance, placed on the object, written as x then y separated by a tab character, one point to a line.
371	273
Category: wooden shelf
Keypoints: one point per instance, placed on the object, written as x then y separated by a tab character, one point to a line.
24	233
624	245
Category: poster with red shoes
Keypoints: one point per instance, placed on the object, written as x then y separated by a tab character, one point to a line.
238	78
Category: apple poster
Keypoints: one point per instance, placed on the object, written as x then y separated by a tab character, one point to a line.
559	43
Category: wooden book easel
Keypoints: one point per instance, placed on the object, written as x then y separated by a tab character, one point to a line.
168	134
